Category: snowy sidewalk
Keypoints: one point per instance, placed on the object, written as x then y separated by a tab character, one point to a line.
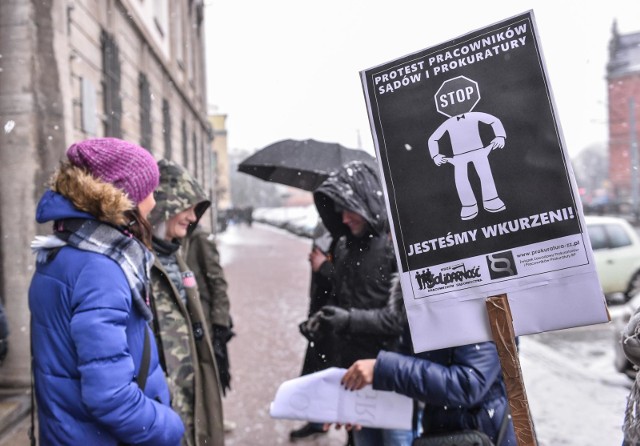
571	404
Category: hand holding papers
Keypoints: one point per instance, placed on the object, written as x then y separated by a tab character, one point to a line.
320	398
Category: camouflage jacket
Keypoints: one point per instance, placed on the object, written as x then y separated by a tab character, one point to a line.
187	357
201	254
177	191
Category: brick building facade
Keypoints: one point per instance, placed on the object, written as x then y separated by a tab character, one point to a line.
623	80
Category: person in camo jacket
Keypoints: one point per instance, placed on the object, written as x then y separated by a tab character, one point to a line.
180	325
200	251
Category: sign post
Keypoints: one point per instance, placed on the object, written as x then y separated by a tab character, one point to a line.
501	323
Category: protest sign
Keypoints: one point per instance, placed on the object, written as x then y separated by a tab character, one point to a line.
480	192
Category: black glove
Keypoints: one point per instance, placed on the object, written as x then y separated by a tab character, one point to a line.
222	335
335	317
311	328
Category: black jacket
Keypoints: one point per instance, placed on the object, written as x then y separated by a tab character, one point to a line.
364	266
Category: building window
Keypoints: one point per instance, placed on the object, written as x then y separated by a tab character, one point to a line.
145	112
203	164
111	86
178	35
195	157
160	15
199	13
88	101
191	42
166	128
185	146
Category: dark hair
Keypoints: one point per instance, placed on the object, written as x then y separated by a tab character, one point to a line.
139	227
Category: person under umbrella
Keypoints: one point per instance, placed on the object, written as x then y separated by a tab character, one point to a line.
351	205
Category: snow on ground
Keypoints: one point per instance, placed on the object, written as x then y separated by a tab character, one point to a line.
571	404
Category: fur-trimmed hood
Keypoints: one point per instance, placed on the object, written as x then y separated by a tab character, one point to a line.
76	194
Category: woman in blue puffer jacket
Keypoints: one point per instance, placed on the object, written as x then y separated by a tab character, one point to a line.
88	302
461	387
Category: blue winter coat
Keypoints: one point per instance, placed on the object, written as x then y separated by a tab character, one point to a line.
462	387
87	340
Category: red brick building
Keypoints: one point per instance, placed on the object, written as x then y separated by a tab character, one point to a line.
623	79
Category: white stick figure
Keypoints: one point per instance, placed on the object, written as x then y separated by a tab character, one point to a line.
464	134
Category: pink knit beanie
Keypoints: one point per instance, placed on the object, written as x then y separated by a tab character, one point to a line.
125	165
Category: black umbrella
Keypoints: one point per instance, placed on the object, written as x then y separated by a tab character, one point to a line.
302	164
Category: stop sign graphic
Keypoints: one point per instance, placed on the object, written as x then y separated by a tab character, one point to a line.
457	96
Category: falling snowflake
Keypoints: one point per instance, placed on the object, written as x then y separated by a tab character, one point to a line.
408	147
9	126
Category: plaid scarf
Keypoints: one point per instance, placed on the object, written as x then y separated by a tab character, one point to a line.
94	236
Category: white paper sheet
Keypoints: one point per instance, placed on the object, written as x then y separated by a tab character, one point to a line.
319	397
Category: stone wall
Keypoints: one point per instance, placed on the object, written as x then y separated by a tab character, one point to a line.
51	89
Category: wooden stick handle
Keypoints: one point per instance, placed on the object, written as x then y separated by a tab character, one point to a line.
501	323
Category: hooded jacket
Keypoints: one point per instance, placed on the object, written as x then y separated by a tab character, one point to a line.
363	266
201	254
187	355
87	338
461	387
200	251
